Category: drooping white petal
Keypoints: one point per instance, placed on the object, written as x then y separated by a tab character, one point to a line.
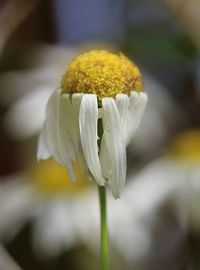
113	144
137	103
88	131
76	103
105	159
69	133
51	125
80	159
65	140
122	101
43	149
56	139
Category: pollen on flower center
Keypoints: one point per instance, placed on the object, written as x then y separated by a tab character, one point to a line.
102	73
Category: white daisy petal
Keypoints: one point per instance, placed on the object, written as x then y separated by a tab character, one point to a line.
65	141
66	109
137	103
43	149
122	101
105	159
51	125
114	145
88	130
76	103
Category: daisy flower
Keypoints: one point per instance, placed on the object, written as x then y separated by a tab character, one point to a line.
100	95
63	214
172	179
185	153
179	169
45	194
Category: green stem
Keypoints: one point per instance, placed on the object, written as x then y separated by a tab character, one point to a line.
104	248
104	230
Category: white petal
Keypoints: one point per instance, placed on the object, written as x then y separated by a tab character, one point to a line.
137	103
80	158
76	102
72	108
69	133
43	149
105	159
65	141
114	144
51	125
88	130
122	101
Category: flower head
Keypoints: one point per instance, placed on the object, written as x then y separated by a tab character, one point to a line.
98	87
102	73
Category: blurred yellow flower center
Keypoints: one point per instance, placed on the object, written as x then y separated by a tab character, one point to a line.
50	178
186	147
102	73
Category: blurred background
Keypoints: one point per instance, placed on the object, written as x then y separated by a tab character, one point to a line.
45	221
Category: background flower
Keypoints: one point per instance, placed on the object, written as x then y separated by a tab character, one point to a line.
63	214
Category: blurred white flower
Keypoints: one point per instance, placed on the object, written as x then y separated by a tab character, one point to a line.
185	154
145	194
174	180
64	213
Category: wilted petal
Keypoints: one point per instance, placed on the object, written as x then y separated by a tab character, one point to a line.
65	140
43	149
122	101
88	130
76	103
50	125
137	103
114	145
105	159
80	159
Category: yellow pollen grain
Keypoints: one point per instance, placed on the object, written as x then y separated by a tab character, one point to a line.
186	147
51	179
102	73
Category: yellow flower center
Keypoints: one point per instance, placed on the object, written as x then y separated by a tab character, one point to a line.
102	73
186	147
51	179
